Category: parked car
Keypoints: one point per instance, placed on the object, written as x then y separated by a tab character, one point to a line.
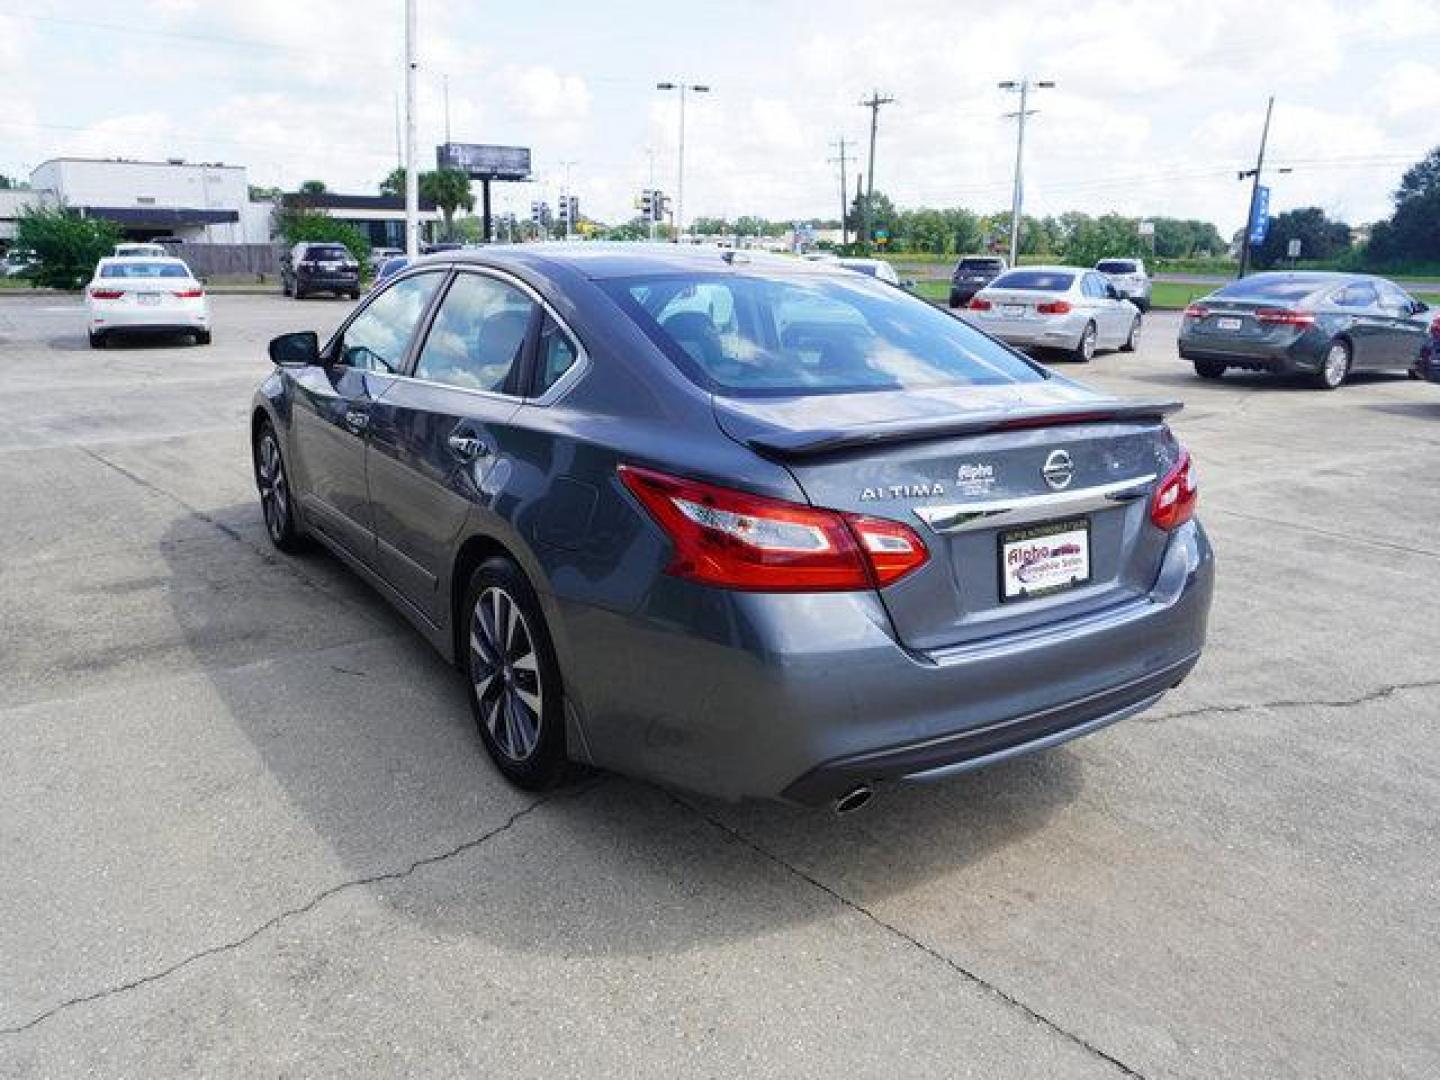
1129	278
1324	325
749	527
134	295
879	269
973	273
18	262
390	267
142	251
1427	363
380	255
1064	308
313	267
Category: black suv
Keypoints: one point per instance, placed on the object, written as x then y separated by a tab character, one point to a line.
973	273
313	267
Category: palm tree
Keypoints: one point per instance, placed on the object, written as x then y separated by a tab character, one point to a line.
449	190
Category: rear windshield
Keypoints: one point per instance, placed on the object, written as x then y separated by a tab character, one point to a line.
326	251
1115	266
1272	287
144	270
757	336
980	266
868	269
1039	280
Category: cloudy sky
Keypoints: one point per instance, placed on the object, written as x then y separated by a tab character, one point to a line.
1157	103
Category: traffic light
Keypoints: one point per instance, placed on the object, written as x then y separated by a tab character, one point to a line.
537	213
646	203
564	209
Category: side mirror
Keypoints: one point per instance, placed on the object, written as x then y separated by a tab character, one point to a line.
1112	292
299	349
1418	307
907	283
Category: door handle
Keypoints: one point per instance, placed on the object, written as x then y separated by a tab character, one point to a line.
357	420
467	447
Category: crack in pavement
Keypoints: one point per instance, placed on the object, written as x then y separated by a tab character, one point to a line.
266	556
291	913
1260	519
1380	694
911	940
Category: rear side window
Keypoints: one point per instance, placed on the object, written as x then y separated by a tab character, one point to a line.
478	336
145	270
1038	280
782	335
1359	294
1279	287
378	338
555	356
1116	266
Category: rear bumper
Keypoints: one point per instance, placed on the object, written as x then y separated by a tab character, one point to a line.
1300	355
328	282
158	319
803	698
1054	332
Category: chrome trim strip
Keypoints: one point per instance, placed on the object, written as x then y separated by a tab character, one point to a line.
960	517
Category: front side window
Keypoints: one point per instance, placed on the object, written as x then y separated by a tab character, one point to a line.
378	338
478	335
1395	300
758	335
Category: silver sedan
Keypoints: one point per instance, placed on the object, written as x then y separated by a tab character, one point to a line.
1064	308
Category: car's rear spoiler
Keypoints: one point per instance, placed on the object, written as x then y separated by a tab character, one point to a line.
809	442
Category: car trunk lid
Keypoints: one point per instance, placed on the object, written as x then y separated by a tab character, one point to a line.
967	468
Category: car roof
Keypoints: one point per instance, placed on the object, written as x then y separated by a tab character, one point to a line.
141	260
601	260
1052	269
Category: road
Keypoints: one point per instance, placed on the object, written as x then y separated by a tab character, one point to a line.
247	828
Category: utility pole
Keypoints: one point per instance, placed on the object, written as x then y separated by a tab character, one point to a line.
412	179
842	158
680	165
399	142
1254	189
565	196
873	103
445	79
1023	86
650	153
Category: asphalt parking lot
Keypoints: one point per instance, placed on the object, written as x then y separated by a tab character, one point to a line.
246	828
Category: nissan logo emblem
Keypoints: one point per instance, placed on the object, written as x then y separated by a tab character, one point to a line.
1058	470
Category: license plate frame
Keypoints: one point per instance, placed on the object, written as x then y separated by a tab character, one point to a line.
148	299
1071	559
1012	311
1229	323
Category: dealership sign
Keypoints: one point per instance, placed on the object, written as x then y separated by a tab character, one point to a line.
1260	216
484	162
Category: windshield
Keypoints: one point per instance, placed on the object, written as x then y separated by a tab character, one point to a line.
980	266
1038	280
802	335
326	251
1273	287
869	269
1115	266
144	270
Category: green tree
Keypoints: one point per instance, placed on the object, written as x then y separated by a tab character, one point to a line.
1320	238
709	226
6	183
1412	234
67	244
297	224
313	187
394	183
258	193
883	215
449	190
1091	239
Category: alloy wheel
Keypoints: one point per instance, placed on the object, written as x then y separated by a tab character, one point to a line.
1087	343
505	670
274	492
1337	363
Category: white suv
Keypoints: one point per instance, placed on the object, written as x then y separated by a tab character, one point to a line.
1129	278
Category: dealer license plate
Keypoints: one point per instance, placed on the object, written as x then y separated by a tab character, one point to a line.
1013	311
1227	324
149	297
1044	559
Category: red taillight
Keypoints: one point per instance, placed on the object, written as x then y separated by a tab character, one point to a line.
977	304
106	294
1053	307
1284	317
1174	500
190	294
1197	311
735	540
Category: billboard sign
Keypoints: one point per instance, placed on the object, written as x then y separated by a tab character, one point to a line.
484	162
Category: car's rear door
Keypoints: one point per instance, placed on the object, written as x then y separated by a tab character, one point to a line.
441	441
332	410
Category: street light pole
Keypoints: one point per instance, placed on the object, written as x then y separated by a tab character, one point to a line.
412	181
565	196
1023	86
680	164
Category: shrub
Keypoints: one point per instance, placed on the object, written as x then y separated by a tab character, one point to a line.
298	226
67	245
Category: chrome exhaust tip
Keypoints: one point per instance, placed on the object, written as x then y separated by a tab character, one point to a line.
853	800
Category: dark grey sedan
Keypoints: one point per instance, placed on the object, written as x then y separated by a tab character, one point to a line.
1318	324
739	524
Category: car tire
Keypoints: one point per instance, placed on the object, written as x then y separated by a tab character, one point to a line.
355	294
202	337
1209	369
1084	350
97	339
1143	304
277	498
1335	368
1133	339
298	293
286	289
512	676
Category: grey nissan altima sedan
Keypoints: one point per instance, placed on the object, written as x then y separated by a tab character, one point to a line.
740	524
